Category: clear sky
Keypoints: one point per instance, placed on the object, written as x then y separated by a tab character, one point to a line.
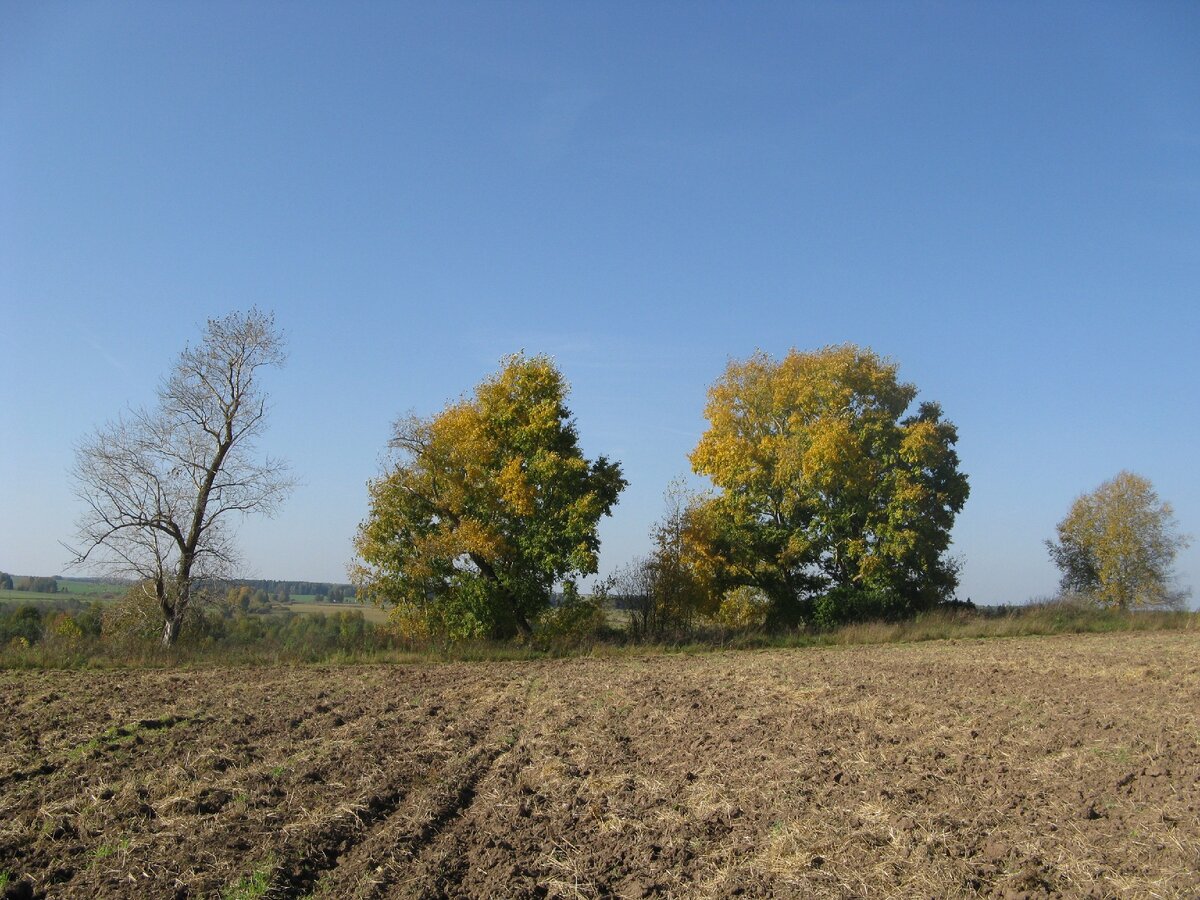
1002	197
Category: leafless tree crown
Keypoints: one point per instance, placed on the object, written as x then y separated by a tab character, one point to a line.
160	487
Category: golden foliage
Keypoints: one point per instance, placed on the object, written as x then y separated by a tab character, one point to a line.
1118	544
487	504
743	607
822	482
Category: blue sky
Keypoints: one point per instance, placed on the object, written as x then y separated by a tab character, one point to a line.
1004	198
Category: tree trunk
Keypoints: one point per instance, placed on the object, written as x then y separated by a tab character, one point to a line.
174	600
489	572
523	625
788	611
171	631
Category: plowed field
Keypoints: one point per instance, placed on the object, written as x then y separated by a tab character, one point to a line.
1025	767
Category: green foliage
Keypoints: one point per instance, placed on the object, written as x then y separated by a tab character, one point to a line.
313	636
1118	545
22	623
843	604
576	622
254	886
488	505
825	482
62	626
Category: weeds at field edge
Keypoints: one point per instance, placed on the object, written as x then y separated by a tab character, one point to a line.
980	624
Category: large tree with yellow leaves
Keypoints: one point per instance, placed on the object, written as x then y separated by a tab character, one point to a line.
485	507
831	497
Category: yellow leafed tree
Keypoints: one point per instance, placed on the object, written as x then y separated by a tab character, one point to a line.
486	506
830	497
1118	544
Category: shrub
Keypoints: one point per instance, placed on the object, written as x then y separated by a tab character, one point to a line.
576	622
24	623
743	608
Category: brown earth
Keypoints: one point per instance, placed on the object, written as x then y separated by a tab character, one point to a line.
1013	768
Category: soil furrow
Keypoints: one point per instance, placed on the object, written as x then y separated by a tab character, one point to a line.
391	853
331	842
397	823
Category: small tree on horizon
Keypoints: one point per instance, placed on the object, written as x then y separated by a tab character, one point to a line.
1117	545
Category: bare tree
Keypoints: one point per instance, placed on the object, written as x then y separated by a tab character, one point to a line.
633	588
162	487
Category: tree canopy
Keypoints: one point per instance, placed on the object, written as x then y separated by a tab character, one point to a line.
830	499
485	507
1118	544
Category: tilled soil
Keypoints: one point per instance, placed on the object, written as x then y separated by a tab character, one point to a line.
1064	766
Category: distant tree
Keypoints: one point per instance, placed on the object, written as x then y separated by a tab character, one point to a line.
679	589
669	590
160	487
1118	545
238	598
486	507
832	498
6	582
38	585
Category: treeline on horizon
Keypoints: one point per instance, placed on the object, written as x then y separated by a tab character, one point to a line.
295	588
72	631
833	494
30	583
276	589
